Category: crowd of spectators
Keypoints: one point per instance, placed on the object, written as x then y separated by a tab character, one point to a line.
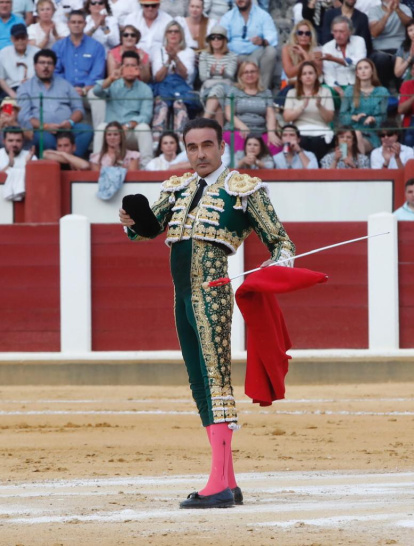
120	78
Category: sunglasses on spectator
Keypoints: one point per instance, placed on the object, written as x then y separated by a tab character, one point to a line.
216	37
129	35
250	72
304	33
382	135
173	30
244	32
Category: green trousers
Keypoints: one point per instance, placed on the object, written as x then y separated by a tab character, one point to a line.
203	321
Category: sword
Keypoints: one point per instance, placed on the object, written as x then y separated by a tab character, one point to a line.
225	280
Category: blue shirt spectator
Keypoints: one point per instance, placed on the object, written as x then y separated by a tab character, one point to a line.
81	59
7	20
240	33
62	108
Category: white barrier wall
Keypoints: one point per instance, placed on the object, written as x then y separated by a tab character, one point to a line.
75	271
335	201
383	305
75	284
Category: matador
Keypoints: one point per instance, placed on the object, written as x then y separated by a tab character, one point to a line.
207	215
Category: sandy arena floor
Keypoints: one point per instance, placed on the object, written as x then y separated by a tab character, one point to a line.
105	466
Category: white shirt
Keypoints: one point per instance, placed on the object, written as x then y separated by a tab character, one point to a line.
109	40
36	33
337	74
189	40
159	56
377	159
153	36
12	74
122	8
19	160
366	5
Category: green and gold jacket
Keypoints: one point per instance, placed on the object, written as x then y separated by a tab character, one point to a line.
227	213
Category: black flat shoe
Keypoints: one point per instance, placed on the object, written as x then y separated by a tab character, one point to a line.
238	495
224	499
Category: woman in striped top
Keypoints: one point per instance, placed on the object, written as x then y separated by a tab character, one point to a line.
217	70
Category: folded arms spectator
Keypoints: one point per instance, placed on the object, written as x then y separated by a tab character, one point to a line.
65	153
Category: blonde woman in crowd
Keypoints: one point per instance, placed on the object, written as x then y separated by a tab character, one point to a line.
253	109
46	31
114	152
217	70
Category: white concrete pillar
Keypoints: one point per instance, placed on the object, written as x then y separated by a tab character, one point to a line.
383	304
236	266
75	284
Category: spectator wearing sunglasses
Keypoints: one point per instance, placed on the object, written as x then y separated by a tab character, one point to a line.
391	154
301	46
151	21
16	62
253	37
130	37
217	69
100	23
359	22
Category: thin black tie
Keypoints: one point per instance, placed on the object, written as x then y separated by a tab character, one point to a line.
201	185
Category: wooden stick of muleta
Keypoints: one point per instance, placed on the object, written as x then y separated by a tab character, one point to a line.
225	280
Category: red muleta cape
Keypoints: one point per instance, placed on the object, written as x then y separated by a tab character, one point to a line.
267	335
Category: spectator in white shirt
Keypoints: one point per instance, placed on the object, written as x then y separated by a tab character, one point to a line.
391	154
16	61
46	31
168	154
100	23
341	55
151	23
122	8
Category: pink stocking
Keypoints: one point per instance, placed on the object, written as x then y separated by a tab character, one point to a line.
220	440
231	475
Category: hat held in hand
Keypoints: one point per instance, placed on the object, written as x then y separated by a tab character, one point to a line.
138	208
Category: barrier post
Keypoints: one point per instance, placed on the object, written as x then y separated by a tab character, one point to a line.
75	284
383	302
